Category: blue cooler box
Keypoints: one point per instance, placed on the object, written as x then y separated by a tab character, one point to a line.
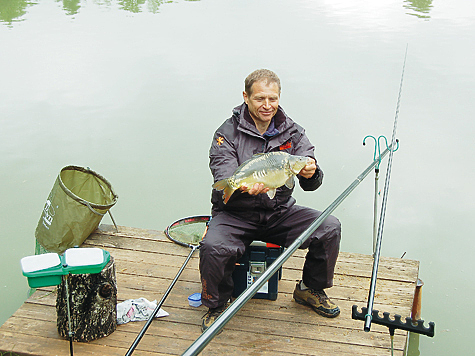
252	264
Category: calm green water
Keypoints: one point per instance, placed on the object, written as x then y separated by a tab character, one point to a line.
135	89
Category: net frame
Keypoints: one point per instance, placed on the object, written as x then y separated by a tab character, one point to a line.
191	226
188	231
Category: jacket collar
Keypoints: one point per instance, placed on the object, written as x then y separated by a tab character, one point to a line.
242	113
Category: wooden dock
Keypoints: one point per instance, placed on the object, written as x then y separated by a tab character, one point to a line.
146	263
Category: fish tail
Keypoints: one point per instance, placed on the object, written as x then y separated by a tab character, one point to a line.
223	184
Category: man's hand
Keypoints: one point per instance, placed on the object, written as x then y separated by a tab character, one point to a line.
309	170
256	189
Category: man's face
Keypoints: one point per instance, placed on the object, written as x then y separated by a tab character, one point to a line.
263	101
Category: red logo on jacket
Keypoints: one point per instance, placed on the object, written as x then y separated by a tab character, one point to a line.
285	146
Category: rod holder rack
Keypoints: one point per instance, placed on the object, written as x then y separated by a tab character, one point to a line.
416	326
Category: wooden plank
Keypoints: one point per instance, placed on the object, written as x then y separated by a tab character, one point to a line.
235	344
105	235
142	260
146	262
273	311
302	332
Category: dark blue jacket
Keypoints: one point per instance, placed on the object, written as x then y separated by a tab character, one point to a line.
237	139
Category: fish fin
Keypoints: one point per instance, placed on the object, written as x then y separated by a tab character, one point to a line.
290	183
271	193
223	184
228	191
220	184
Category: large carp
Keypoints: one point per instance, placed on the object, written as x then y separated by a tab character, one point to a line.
273	169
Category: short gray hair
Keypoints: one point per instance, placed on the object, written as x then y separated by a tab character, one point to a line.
261	74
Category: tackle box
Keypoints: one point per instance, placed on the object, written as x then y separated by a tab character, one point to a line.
252	264
47	269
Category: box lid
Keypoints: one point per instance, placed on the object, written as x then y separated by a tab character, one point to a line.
39	262
84	260
80	257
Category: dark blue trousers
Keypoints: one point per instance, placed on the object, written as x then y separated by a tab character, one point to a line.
229	235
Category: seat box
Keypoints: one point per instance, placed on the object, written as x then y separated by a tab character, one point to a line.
252	264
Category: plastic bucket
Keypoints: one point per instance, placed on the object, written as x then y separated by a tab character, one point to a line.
75	206
194	300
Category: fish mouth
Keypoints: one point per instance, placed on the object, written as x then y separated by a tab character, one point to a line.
300	164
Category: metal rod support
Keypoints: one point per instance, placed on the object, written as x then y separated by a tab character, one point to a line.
70	331
375	208
377	252
200	343
113	221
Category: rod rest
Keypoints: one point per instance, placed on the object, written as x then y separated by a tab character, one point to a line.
409	325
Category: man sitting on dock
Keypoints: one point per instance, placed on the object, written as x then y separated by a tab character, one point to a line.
260	125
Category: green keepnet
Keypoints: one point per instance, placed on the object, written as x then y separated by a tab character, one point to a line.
75	206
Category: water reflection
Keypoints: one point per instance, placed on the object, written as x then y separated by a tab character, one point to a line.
13	10
413	345
421	8
137	6
71	7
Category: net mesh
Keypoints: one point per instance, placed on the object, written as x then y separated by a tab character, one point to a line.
39	250
189	232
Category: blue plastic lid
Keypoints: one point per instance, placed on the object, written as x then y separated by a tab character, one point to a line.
195	297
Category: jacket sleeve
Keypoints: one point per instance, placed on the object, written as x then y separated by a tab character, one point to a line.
305	148
309	184
223	159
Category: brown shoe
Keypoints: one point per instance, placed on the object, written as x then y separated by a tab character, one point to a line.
211	315
318	300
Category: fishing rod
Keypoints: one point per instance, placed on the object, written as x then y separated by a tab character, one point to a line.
200	343
377	252
371	315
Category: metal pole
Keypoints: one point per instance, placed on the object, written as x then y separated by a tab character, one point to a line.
113	221
375	208
150	319
200	343
70	332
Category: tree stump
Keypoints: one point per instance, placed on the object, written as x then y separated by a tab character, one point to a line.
93	300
